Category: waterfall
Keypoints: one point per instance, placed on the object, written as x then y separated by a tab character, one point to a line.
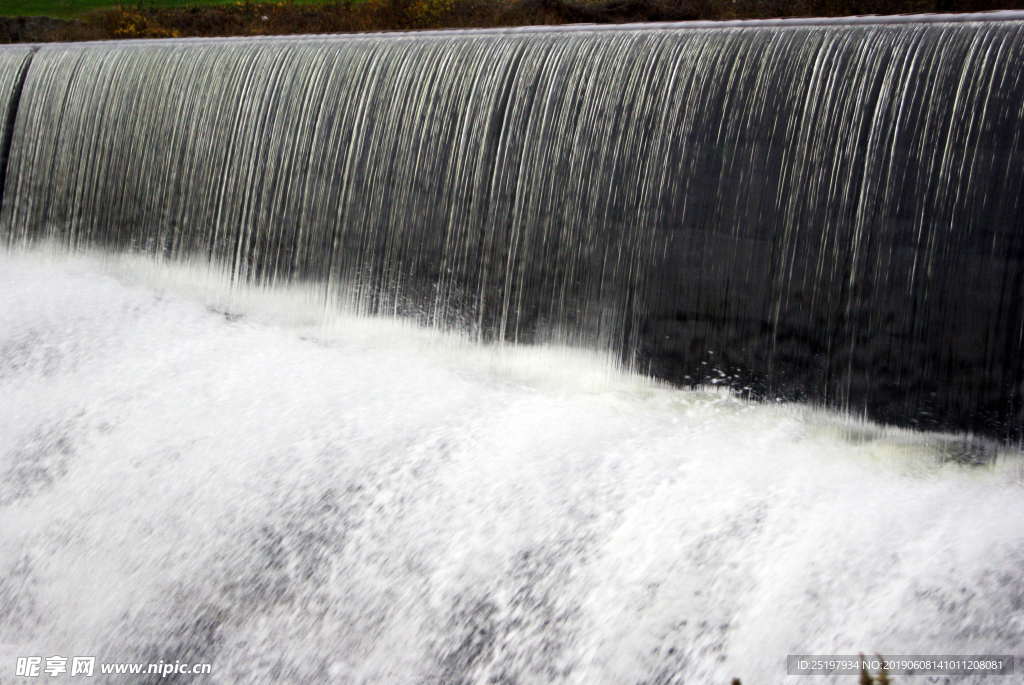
13	64
823	212
811	212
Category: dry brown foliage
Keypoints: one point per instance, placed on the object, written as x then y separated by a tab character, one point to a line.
350	16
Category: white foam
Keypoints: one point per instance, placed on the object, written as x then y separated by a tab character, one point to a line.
302	495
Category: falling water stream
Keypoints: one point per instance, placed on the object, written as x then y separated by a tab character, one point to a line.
637	356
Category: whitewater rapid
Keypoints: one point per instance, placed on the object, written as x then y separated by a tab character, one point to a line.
299	495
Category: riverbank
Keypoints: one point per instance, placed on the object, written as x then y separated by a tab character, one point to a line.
254	19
